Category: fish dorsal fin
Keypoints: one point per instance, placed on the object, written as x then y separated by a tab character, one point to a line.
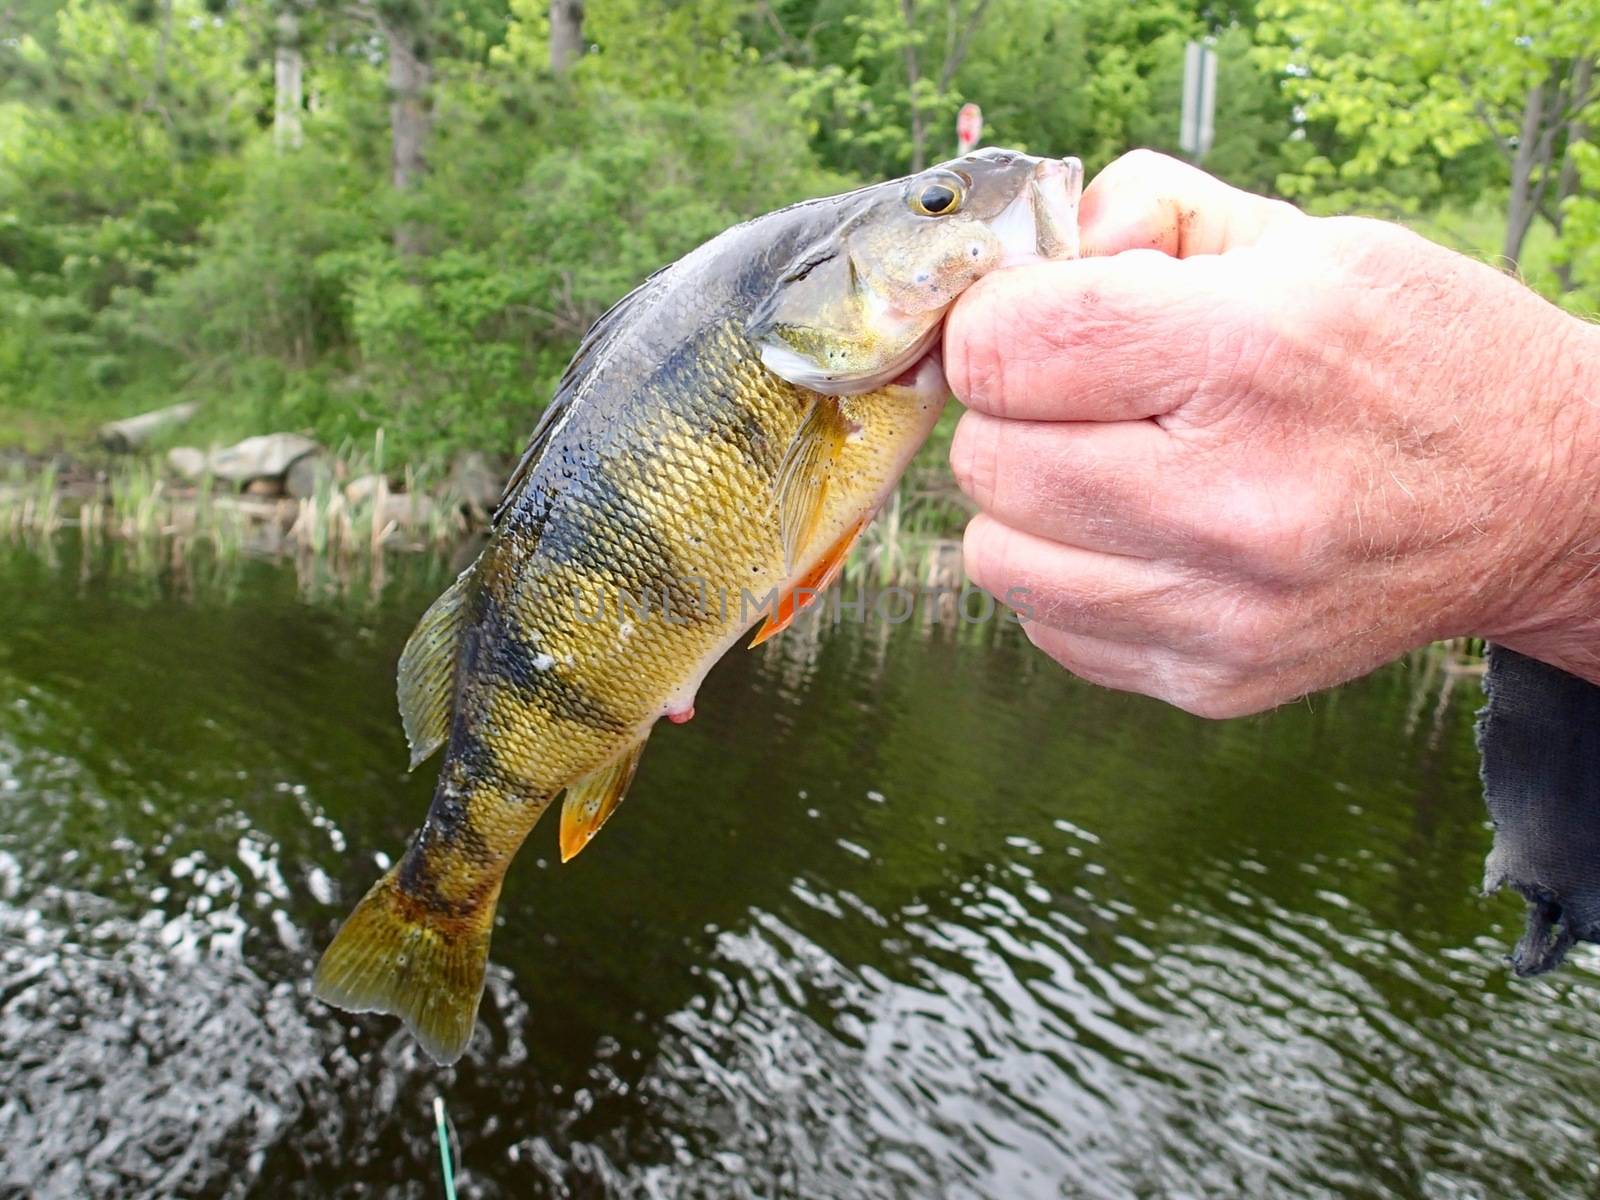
808	588
425	682
594	798
804	475
584	359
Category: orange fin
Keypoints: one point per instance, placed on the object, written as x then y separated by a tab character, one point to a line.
811	585
594	798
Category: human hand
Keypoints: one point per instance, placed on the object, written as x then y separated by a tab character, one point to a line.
1246	453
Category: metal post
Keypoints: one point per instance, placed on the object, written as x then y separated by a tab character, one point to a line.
1196	129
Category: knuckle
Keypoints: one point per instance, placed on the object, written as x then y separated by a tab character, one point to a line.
1240	632
1108	665
1209	699
1235	353
1152	608
1274	530
975	457
1358	242
1141	163
1252	638
1181	684
984	552
975	355
1215	708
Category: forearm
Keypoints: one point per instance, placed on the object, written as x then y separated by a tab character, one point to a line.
1552	594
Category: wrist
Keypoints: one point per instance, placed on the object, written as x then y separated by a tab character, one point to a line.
1549	603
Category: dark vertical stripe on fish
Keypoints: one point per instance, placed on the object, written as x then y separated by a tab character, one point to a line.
538	678
610	527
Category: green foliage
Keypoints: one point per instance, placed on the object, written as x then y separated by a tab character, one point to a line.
1407	103
155	242
1253	116
107	171
268	284
1092	78
1581	235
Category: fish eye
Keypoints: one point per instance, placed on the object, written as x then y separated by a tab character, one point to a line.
939	196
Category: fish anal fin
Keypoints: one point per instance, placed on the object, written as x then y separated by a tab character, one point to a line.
425	681
592	799
393	956
810	586
804	474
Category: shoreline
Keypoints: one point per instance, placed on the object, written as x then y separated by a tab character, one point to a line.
350	511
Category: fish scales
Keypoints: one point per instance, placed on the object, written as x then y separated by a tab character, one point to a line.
681	478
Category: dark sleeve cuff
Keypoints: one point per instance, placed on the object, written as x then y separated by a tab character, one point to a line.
1539	737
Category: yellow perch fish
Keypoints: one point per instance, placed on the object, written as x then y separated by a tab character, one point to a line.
720	439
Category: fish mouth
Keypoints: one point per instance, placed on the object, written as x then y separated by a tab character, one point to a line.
926	376
1057	191
1042	222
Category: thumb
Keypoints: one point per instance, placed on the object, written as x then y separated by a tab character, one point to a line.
1146	200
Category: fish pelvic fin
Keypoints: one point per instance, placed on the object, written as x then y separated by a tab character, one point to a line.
803	477
425	681
808	588
592	799
394	955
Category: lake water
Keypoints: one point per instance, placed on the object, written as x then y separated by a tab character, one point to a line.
901	913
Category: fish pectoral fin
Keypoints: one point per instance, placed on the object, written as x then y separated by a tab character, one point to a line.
425	682
594	798
808	588
804	474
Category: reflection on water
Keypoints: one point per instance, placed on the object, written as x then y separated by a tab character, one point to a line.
902	912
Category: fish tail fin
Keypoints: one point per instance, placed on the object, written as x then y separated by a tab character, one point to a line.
393	954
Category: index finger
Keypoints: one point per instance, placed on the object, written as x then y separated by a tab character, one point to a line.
1105	339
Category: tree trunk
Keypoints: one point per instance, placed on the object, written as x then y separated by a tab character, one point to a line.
1567	181
409	120
957	41
287	71
956	47
409	76
1521	208
919	132
566	34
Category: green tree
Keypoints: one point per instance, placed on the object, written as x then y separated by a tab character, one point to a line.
880	83
115	146
342	214
1406	88
544	198
1254	119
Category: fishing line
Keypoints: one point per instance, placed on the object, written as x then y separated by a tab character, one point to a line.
444	1148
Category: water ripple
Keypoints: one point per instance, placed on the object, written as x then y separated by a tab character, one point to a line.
900	914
